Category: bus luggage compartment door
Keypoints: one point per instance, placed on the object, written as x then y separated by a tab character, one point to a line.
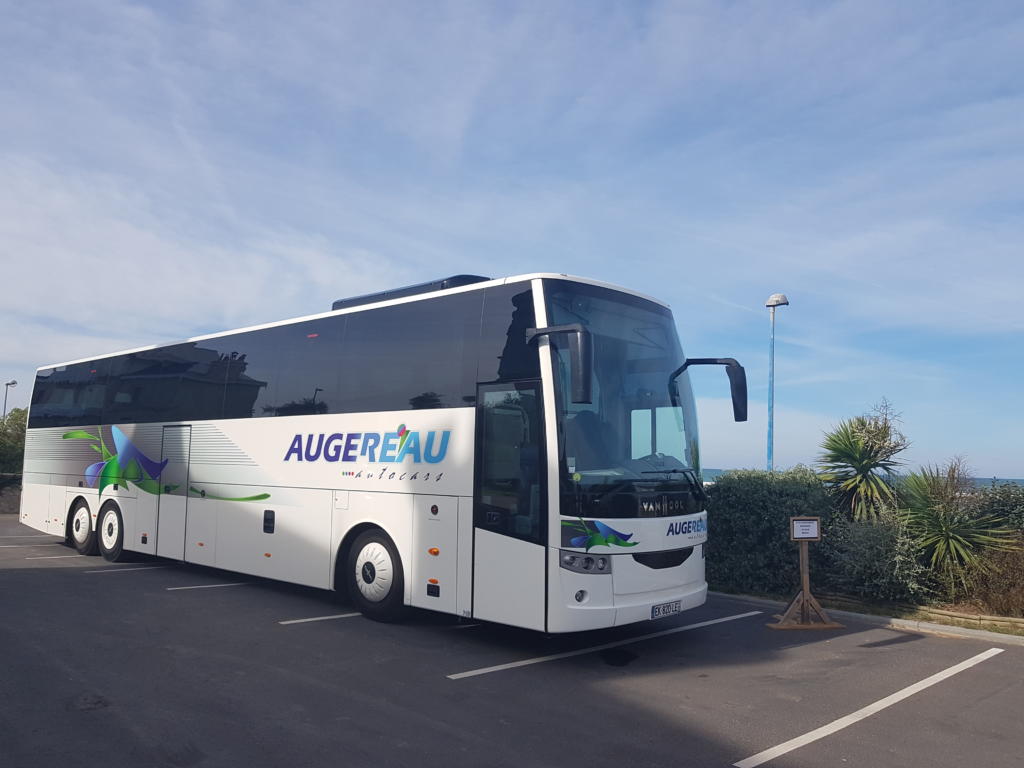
435	530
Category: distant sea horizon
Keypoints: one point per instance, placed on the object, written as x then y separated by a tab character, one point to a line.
710	475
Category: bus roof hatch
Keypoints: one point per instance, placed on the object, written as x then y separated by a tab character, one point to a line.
410	290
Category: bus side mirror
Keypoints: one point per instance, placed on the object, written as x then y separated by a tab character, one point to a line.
581	354
737	382
738	389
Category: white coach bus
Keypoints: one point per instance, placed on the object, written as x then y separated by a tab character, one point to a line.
520	450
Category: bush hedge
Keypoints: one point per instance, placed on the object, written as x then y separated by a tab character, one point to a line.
1002	500
12	441
875	560
748	529
998	587
749	548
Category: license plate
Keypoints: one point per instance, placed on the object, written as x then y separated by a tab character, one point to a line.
662	610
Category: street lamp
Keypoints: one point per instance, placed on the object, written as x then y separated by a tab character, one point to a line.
8	385
775	300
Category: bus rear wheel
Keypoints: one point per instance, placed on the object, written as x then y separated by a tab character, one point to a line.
80	528
111	533
374	575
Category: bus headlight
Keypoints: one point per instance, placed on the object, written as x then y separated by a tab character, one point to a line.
579	563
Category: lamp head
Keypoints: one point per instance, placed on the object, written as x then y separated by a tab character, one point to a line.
11	383
777	300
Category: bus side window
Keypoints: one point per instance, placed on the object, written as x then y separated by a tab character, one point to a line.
510	500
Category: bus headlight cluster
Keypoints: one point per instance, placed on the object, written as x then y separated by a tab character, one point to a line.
580	563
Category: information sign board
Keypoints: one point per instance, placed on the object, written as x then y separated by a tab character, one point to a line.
805	528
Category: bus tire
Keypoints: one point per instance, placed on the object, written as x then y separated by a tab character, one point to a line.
376	583
110	531
83	536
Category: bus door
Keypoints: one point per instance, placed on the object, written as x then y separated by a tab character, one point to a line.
510	506
173	499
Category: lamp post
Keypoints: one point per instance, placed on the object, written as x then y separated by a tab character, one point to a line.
775	300
8	385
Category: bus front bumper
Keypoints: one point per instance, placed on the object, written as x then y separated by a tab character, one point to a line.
631	608
598	610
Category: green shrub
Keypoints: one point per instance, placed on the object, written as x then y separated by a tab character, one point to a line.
875	560
998	587
12	440
1003	500
748	529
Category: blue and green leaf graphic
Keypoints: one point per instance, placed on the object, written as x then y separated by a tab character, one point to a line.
127	464
203	494
593	533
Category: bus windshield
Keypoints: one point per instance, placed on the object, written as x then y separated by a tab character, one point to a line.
632	451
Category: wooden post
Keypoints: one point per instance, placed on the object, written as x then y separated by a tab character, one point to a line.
805	580
803	611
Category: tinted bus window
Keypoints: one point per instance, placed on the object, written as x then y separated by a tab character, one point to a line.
502	352
42	394
70	395
182	382
309	378
252	360
127	387
415	355
423	354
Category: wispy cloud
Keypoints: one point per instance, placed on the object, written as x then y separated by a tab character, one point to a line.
186	167
90	250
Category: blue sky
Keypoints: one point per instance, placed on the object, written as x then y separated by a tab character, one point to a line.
175	169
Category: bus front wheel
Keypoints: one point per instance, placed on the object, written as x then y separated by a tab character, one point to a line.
376	583
80	528
111	533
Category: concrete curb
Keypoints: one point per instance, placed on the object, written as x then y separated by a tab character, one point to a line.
888	622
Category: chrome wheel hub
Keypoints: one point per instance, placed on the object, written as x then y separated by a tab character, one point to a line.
374	572
80	525
109	529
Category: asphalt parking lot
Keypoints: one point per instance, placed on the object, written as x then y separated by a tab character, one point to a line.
155	663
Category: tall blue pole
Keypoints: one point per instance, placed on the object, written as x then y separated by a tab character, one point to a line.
771	385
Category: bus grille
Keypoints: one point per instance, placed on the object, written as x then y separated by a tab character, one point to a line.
669	559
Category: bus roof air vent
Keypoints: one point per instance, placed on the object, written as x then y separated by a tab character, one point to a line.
410	290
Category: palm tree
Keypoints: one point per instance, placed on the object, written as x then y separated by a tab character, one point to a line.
857	462
941	514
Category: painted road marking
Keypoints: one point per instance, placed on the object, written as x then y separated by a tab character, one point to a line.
44	544
28	536
321	618
209	586
861	714
51	557
593	648
122	570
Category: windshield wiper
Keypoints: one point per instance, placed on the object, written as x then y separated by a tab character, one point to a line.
689	474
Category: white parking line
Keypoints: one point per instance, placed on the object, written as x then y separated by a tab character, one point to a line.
44	544
861	714
593	648
122	570
209	586
27	536
320	618
51	557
